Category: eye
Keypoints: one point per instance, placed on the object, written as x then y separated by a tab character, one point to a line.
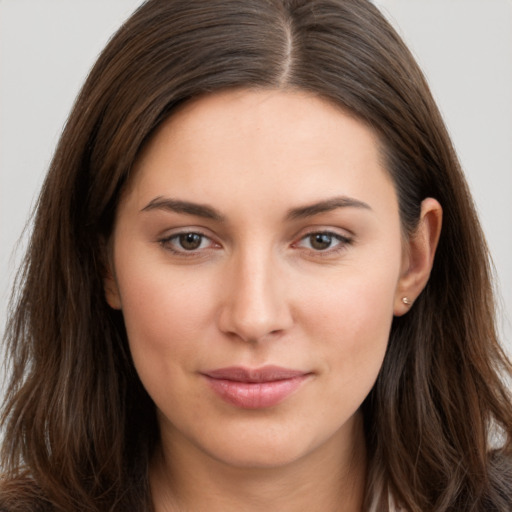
187	242
323	241
190	241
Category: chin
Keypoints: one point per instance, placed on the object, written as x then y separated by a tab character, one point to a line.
260	457
263	446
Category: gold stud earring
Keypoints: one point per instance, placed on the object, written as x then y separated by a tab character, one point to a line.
406	301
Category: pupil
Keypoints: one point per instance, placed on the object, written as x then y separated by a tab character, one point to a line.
190	241
320	241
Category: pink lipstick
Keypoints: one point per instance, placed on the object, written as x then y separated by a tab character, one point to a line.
257	388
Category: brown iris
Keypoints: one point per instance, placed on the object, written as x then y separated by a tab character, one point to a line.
320	241
190	241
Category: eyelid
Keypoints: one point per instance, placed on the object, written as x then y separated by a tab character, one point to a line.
343	241
165	241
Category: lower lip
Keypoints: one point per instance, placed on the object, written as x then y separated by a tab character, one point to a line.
255	395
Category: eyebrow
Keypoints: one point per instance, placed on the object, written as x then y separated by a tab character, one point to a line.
207	212
326	206
178	206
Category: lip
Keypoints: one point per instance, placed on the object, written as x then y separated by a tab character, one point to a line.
255	388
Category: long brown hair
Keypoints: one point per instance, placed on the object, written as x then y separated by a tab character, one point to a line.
80	428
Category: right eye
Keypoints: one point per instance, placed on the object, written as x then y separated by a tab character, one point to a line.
323	242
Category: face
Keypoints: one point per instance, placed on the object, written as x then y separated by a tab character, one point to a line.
257	257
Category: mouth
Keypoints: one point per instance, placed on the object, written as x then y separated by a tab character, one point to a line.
256	388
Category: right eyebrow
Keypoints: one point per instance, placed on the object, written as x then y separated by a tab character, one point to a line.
326	205
187	207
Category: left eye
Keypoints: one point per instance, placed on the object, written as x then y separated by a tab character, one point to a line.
322	241
186	242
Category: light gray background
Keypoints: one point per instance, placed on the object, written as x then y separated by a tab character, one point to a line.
464	46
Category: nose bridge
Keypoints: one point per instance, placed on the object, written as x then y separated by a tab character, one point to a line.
255	305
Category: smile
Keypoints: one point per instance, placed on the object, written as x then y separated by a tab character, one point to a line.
255	388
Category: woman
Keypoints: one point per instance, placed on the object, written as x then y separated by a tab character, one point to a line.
256	280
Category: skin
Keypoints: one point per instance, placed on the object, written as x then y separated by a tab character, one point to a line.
260	290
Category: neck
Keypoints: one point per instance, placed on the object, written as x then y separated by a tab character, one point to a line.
327	479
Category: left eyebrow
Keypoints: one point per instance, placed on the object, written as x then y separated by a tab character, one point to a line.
327	205
186	207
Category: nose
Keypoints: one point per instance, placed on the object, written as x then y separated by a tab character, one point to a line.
255	305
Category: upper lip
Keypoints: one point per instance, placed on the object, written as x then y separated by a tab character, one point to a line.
264	374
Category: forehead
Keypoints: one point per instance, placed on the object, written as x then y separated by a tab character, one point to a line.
231	117
281	145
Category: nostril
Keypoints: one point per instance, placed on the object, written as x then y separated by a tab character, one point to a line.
254	326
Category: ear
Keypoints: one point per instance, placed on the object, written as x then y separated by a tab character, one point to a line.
110	286
111	291
418	256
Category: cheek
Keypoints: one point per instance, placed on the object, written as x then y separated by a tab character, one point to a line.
352	301
166	315
350	319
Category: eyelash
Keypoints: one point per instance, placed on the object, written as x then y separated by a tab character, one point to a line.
167	243
343	242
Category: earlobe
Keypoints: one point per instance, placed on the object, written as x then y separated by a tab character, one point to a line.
419	256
